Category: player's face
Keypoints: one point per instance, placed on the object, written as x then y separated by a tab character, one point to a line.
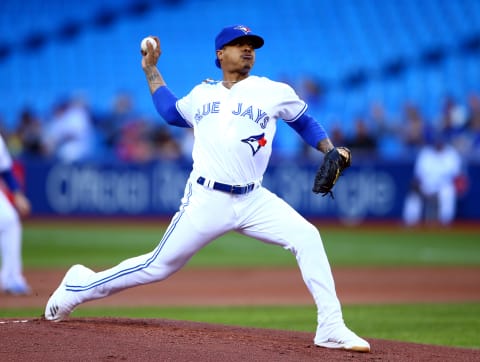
238	56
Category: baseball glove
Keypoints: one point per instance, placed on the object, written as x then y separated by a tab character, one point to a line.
335	161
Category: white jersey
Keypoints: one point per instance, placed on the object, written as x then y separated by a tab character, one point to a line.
5	159
11	277
437	168
234	128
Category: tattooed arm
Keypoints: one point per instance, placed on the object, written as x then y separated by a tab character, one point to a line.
149	65
154	78
163	99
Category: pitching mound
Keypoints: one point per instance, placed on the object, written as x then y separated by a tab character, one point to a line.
166	340
100	339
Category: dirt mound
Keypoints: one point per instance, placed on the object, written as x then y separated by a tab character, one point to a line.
95	339
100	339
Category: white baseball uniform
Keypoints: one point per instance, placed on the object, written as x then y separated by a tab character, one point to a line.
234	130
435	170
10	234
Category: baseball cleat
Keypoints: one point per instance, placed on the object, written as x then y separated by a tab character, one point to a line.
62	302
344	338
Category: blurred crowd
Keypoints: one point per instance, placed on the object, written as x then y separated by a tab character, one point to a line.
380	133
73	132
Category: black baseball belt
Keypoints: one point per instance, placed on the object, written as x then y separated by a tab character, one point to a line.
231	189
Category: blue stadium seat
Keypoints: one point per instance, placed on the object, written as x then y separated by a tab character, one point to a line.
313	37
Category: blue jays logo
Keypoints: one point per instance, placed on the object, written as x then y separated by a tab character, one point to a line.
243	28
255	142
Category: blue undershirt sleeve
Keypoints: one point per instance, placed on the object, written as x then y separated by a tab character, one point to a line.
165	104
9	180
309	129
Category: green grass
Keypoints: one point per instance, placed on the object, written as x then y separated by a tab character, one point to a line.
438	324
400	246
103	244
58	245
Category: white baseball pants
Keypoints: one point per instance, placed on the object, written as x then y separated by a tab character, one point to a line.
203	216
10	245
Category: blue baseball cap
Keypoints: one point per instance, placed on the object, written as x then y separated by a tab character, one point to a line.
231	33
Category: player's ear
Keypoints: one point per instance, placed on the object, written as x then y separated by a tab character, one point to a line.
220	55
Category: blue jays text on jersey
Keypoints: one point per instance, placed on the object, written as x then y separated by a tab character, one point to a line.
254	114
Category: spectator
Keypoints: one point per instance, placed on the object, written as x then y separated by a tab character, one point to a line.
362	142
135	144
165	146
29	133
386	131
433	192
312	90
111	126
473	127
453	124
69	135
337	136
415	130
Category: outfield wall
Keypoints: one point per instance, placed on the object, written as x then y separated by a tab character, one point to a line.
366	191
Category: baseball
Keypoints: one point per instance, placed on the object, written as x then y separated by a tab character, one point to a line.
148	39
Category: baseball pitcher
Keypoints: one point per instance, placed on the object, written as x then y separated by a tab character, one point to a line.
234	122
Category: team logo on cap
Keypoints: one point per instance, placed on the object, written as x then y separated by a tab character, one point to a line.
255	142
243	28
